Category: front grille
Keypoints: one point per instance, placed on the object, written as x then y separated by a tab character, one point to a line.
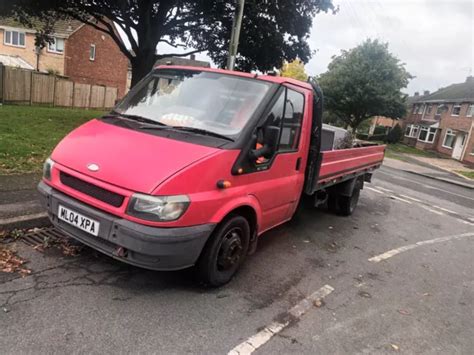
92	190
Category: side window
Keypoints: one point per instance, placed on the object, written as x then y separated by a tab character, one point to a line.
292	121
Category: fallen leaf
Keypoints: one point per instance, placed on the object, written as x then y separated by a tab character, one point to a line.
364	294
318	303
404	312
395	347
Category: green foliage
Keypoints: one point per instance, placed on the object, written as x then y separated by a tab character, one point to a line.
272	31
294	69
364	82
380	130
395	134
364	126
28	134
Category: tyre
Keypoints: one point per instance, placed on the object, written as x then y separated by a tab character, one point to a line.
347	204
333	204
224	252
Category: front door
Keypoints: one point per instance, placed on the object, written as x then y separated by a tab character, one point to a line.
458	146
277	180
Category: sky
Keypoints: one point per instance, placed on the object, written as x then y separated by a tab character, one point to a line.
435	38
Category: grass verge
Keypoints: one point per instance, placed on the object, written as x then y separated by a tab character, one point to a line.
468	174
28	134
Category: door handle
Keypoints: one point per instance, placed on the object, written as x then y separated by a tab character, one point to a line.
298	163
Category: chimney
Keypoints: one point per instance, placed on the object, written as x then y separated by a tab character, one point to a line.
426	92
192	57
416	94
470	79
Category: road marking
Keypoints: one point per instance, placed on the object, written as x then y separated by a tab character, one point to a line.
395	176
24	218
410	198
393	252
384	189
400	199
375	190
444	209
432	210
263	336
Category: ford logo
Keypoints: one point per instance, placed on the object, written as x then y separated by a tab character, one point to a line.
93	167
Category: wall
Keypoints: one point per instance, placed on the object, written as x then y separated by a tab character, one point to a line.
47	60
109	67
460	123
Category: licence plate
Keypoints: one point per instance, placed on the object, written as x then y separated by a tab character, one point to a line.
78	220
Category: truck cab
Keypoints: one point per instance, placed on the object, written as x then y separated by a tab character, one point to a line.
193	165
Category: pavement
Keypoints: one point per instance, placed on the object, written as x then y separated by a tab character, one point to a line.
19	204
395	277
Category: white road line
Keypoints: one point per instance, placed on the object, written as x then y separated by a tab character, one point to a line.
400	199
263	336
411	198
384	189
395	176
432	210
374	190
444	209
393	252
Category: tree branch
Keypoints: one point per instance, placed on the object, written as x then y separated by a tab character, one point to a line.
160	56
172	44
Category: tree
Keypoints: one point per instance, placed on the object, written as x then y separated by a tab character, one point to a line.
294	69
395	134
364	82
272	31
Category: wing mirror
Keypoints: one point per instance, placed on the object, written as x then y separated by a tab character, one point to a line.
271	135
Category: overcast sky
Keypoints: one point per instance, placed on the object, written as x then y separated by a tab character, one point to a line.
433	37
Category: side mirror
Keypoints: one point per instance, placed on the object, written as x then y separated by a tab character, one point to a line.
271	135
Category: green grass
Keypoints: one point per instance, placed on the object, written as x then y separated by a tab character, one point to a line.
28	134
400	149
468	174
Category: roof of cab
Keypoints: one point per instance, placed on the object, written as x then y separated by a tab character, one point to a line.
270	78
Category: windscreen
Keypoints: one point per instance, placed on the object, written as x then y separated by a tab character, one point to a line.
214	102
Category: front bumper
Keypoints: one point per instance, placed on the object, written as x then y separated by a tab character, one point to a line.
148	247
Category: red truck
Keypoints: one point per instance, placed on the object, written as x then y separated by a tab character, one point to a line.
194	164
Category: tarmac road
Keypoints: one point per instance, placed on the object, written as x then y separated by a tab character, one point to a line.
417	298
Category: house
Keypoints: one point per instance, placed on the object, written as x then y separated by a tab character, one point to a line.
78	51
444	121
381	121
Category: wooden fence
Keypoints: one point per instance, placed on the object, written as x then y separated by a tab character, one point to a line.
21	86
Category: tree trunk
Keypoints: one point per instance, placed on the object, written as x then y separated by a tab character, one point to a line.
142	64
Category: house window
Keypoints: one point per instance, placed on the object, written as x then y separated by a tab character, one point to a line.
412	131
470	111
92	52
420	109
449	139
456	110
57	46
14	38
440	109
429	109
427	134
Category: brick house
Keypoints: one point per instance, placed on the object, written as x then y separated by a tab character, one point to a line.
444	121
79	52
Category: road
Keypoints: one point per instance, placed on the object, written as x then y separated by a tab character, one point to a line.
397	276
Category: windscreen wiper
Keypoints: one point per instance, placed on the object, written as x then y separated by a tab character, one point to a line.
137	118
201	131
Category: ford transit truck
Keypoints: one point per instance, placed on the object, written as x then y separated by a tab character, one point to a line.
194	165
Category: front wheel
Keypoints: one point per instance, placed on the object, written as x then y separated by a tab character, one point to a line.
224	252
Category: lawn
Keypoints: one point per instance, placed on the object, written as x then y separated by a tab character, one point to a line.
398	150
28	134
468	174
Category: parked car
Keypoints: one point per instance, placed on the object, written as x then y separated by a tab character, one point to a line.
194	165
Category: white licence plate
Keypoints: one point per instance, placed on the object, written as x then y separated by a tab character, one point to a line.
78	220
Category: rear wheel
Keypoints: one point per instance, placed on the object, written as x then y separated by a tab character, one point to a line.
347	204
224	252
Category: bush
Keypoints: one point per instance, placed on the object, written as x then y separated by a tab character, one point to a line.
395	134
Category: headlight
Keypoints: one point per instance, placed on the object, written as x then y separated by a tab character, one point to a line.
47	168
157	208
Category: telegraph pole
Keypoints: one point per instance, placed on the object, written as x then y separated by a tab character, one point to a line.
234	37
